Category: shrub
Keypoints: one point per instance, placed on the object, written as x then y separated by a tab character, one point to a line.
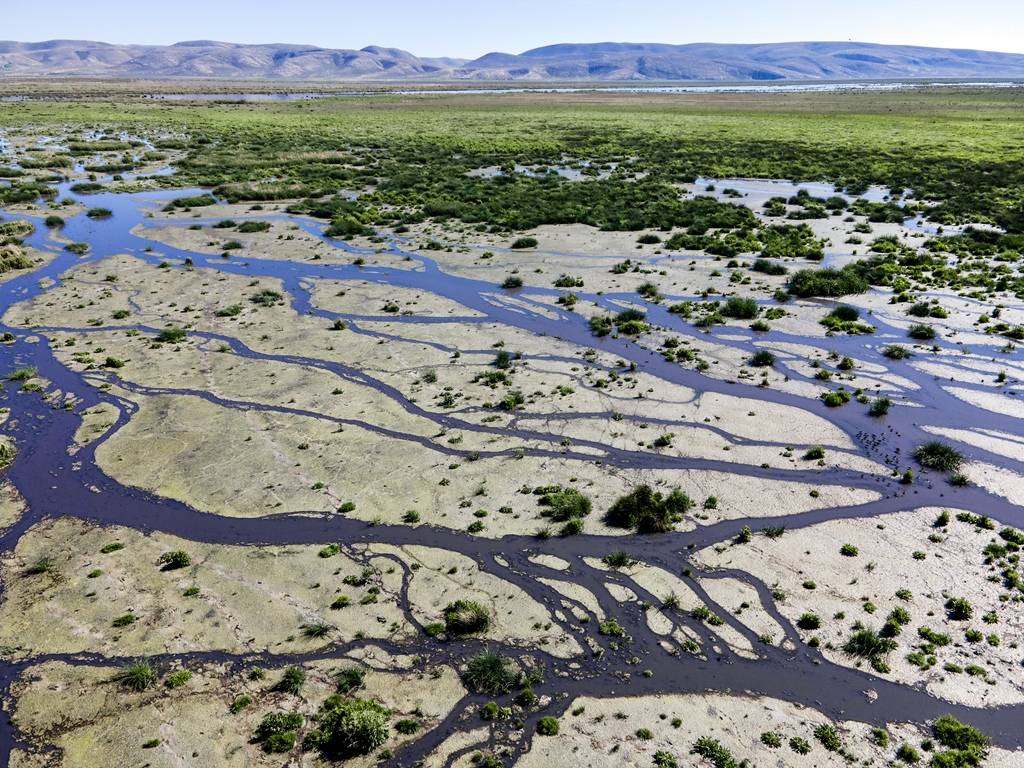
809	621
966	745
611	628
922	332
618	559
266	298
316	629
489	673
276	731
879	406
740	309
836	399
349	679
512	281
827	283
407	727
828	737
907	754
525	242
240	703
648	511
171	335
292	681
771	739
845	313
815	453
136	677
800	746
249	227
868	644
565	504
466	617
762	359
768	267
42	565
848	550
959	608
178	679
174	560
547	726
896	352
938	456
349	727
712	750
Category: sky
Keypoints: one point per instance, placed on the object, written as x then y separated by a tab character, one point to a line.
470	28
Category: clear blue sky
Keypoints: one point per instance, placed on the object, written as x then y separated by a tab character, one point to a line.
469	28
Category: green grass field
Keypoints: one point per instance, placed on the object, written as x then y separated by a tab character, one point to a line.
959	149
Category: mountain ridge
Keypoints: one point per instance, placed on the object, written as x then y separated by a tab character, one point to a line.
602	61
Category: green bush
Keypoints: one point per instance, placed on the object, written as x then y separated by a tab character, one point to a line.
828	737
136	677
349	727
276	731
172	561
565	504
868	644
292	681
713	751
648	511
938	456
547	726
921	332
466	617
740	309
489	673
809	621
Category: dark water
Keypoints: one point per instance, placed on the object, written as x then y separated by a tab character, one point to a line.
53	484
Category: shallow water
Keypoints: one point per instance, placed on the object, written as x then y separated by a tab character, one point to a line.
52	483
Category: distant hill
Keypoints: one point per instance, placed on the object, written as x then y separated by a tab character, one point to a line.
585	61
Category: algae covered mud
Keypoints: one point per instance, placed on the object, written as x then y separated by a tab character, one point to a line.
334	435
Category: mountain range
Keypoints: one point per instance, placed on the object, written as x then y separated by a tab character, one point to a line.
565	62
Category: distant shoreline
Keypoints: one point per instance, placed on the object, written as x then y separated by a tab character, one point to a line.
246	90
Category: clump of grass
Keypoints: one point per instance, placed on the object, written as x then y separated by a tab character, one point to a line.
466	617
172	561
40	566
136	677
512	282
316	629
171	335
713	751
292	681
896	352
868	644
547	726
349	679
648	511
880	406
489	673
938	456
22	374
178	679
